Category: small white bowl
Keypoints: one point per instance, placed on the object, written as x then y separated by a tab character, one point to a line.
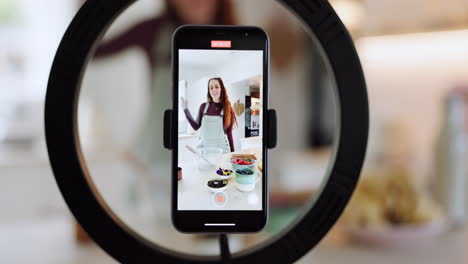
245	187
216	190
223	177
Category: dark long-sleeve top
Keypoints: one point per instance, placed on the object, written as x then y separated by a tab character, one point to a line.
214	109
143	35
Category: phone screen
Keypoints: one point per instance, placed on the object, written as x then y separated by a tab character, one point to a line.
220	132
220	104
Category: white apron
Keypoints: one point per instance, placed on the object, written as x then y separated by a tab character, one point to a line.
212	132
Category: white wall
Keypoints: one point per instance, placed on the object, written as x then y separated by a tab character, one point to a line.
232	66
196	95
243	67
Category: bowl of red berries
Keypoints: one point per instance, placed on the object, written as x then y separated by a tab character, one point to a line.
242	163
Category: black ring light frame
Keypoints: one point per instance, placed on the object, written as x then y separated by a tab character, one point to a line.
112	234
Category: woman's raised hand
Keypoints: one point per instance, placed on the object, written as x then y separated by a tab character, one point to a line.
183	102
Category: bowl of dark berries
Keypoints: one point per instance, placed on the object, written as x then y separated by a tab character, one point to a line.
224	173
217	185
245	176
245	179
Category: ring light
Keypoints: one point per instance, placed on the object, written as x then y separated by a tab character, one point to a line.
121	242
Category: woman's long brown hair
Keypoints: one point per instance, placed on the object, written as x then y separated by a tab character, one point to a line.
224	14
229	115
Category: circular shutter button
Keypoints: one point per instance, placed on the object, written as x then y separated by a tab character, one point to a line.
220	199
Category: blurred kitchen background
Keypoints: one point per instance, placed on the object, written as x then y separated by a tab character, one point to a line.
410	207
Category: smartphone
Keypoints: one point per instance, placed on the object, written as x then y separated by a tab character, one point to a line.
220	102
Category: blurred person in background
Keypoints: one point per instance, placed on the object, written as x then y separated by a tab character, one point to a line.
153	37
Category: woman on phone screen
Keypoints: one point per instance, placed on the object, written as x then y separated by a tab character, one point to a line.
216	118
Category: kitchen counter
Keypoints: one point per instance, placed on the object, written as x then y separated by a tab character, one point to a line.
449	248
195	195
